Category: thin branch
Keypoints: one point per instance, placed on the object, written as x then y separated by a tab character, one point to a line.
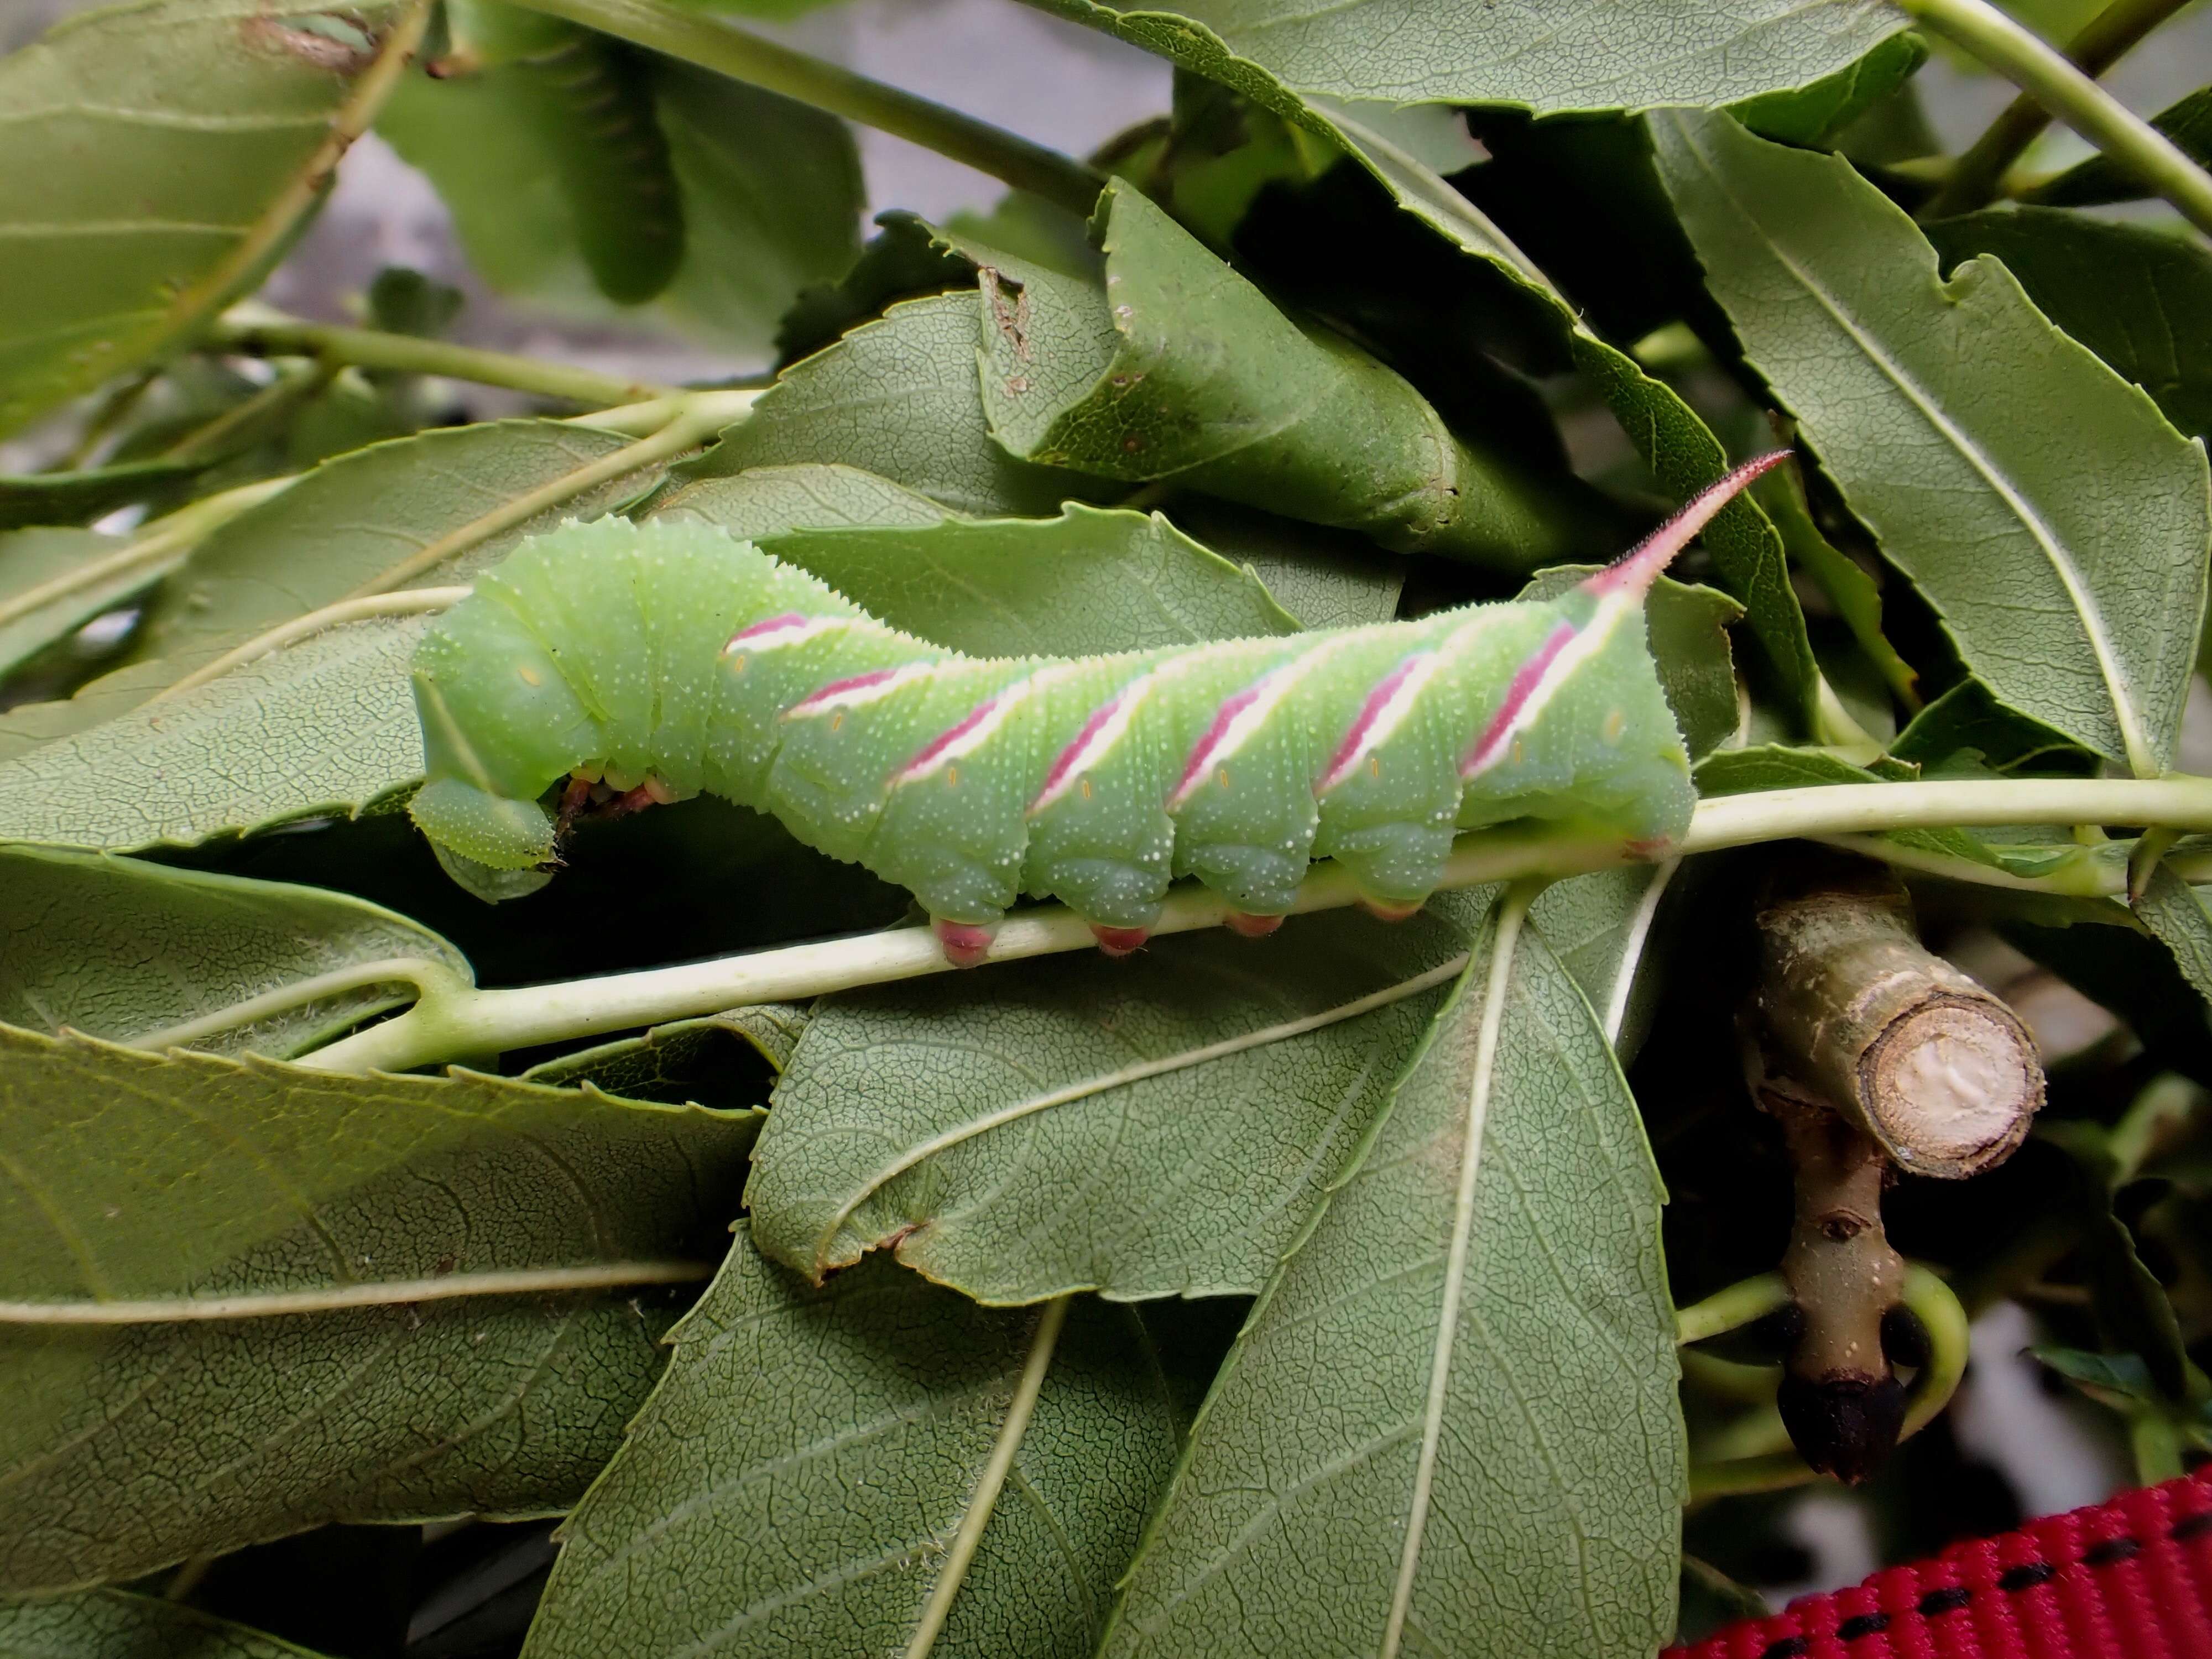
385	1293
1975	177
256	331
446	1026
412	602
757	62
984	1498
156	544
245	420
2042	72
354	117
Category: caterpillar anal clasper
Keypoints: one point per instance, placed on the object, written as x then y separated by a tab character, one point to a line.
661	661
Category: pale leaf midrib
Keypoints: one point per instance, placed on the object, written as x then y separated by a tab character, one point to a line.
1144	1070
1511	915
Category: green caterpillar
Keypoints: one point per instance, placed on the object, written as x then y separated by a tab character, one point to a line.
670	659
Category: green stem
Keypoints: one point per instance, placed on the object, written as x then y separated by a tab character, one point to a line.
2044	72
256	331
701	414
1741	1303
236	426
1975	178
748	58
451	1022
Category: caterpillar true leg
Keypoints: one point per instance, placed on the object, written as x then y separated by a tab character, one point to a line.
666	658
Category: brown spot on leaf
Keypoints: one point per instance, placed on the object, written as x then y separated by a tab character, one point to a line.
1010	309
341	41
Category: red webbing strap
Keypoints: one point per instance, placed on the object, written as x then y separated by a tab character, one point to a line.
2130	1579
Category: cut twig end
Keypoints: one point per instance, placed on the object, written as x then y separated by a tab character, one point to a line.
1941	1073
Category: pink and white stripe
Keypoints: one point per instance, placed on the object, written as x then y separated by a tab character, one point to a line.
979	725
1538	680
779	633
1106	726
1380	716
859	690
1245	715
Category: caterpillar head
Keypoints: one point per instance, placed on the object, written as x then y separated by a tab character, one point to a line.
500	727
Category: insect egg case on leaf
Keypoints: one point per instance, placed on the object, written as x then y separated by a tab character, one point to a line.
669	659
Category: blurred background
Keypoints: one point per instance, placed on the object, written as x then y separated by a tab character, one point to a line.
2016	1445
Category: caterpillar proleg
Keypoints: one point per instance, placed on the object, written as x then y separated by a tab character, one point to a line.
672	659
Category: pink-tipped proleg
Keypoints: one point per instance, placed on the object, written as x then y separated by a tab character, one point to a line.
966	946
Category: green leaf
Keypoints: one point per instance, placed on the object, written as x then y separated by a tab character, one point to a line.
2068	562
1600	927
1452	1414
1154	1127
353	521
1687	628
2122	1374
126	951
2131	1307
1679	448
1083	584
750	197
1292	419
1850	590
899	398
1967	720
1550	55
1811	116
2097	180
2177	917
53	498
110	1624
2140	298
159	156
768	500
1310	571
32	558
585	103
326	725
128	1447
825	1520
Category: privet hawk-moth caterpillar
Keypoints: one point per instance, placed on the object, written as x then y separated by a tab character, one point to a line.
671	659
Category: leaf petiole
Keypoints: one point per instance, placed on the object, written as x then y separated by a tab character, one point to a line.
257	331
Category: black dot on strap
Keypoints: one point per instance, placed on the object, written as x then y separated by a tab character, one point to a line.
2195	1526
1865	1624
1789	1647
2026	1576
2111	1550
1945	1600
